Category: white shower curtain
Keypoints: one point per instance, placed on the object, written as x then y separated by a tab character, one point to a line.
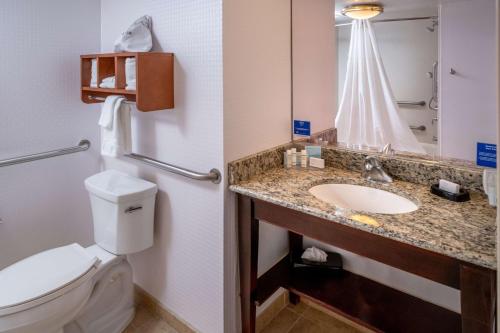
368	115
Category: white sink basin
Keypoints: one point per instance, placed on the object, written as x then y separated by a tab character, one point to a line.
362	198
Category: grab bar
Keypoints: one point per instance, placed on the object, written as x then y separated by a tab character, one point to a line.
213	175
82	146
419	103
418	128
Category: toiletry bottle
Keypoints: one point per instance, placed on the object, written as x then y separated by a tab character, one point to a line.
294	157
288	159
303	158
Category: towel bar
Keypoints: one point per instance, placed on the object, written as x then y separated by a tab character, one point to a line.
82	146
102	99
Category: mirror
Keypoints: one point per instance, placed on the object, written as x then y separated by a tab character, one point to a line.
420	76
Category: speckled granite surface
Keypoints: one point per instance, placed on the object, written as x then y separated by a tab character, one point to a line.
465	231
412	168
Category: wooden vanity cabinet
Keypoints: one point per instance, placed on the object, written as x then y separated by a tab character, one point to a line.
364	301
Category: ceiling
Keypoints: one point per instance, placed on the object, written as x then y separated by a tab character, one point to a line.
389	6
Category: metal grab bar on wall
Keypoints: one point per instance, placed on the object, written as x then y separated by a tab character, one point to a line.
419	103
213	175
418	128
82	146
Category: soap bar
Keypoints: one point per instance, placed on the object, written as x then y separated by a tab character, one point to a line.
449	186
317	162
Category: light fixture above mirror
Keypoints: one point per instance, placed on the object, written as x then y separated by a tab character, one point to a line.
362	11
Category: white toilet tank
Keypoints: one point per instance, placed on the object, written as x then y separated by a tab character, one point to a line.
123	211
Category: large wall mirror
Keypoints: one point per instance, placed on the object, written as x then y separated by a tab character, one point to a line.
418	75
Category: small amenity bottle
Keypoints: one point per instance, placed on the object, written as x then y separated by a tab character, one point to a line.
294	157
303	158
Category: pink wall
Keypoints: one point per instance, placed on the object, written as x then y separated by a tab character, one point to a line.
257	113
314	63
44	204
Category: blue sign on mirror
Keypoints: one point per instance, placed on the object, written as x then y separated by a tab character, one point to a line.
486	155
302	127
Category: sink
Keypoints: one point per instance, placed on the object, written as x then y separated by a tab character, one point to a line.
363	198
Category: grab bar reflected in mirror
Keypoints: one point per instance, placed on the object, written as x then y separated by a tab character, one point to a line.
408	103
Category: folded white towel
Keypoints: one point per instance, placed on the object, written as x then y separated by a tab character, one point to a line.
93	73
108	82
314	254
115	132
130	73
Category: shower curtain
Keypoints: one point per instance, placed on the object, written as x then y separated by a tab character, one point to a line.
368	114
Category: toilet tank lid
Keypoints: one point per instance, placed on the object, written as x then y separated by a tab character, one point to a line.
116	186
43	274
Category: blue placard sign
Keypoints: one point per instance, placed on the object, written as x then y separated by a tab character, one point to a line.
486	155
302	127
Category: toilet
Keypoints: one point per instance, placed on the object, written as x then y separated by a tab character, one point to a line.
72	289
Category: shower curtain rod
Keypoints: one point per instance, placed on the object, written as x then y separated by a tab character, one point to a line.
395	20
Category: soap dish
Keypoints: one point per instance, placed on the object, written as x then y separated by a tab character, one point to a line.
462	196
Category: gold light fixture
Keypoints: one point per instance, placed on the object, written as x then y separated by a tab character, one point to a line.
362	12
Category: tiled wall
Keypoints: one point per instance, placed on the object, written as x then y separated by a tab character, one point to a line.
44	204
184	269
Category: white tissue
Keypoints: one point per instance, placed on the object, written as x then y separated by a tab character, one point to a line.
490	185
314	254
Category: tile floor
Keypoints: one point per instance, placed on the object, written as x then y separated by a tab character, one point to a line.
146	322
302	318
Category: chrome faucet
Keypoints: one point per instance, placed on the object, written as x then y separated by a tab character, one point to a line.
372	170
387	150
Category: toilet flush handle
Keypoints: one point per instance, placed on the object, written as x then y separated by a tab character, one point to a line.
132	209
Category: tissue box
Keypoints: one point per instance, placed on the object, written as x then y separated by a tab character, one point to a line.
333	264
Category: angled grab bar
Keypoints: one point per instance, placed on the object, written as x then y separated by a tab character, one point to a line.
82	146
213	175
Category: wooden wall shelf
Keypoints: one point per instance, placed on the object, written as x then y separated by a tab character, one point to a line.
154	79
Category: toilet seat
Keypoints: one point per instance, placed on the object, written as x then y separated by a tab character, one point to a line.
44	277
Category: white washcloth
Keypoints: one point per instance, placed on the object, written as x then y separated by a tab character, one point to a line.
115	127
314	254
130	73
490	185
108	82
93	73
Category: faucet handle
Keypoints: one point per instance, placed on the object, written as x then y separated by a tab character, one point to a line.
387	150
371	162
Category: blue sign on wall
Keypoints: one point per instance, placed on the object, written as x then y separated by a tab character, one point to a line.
302	127
486	155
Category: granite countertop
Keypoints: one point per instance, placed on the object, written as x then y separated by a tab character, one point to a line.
465	231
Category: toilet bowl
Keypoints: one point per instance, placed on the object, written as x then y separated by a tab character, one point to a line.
71	289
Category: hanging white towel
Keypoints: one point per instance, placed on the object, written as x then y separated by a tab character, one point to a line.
115	125
368	114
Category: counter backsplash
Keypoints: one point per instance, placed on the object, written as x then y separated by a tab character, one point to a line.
411	168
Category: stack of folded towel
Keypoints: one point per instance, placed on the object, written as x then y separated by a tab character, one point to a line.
116	128
108	82
93	75
130	73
